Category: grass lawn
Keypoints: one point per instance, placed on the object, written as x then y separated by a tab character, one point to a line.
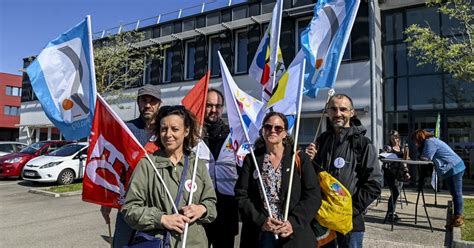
467	232
66	188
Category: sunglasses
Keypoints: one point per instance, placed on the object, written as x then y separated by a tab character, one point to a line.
269	127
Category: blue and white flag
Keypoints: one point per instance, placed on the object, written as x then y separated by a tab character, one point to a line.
63	79
324	42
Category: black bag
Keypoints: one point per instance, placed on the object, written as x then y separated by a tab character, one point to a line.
398	170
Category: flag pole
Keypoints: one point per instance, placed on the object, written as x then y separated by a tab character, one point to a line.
193	179
330	94
110	235
295	145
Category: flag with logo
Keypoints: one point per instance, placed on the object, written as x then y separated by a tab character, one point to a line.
112	155
324	42
195	100
63	79
268	60
242	111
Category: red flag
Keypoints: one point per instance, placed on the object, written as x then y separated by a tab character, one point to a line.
112	155
195	100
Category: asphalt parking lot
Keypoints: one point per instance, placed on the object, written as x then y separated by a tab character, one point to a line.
31	220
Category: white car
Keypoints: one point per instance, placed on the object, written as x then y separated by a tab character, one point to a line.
7	147
63	165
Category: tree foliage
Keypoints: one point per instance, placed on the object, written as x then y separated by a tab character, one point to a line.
120	62
452	54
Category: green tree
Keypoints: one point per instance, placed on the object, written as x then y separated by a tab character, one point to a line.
454	55
120	62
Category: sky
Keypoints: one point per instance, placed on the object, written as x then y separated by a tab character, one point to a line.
26	26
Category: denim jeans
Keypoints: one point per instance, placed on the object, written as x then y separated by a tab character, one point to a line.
356	239
455	188
123	232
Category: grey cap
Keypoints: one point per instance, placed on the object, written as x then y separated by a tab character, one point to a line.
151	90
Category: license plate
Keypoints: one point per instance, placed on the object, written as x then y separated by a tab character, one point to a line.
30	174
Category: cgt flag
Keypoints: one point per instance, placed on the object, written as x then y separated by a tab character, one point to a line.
63	79
112	155
324	42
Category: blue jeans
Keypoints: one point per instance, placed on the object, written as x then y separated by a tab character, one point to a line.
455	188
123	232
356	239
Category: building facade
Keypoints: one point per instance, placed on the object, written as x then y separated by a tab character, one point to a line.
385	97
10	95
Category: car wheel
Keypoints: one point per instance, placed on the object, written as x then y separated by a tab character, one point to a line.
66	177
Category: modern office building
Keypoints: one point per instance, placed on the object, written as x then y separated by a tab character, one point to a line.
388	89
10	103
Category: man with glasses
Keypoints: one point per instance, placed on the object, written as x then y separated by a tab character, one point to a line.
149	101
221	232
349	156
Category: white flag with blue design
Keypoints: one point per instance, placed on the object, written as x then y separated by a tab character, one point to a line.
324	42
63	79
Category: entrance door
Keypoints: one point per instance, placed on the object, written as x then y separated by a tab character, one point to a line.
460	137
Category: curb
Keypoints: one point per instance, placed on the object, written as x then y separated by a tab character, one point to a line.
457	242
52	194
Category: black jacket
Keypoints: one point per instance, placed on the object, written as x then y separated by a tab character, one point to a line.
362	178
305	200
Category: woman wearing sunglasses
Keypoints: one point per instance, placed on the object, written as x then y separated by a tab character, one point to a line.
147	207
273	151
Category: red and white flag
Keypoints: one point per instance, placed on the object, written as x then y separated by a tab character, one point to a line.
112	155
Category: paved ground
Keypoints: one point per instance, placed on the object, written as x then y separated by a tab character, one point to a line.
30	220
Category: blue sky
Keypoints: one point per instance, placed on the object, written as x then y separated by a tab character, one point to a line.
26	26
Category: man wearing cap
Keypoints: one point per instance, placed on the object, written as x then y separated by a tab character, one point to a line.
149	101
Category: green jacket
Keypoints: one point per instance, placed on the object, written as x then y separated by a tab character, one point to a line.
146	200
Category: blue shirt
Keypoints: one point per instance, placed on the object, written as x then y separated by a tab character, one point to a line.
443	157
137	127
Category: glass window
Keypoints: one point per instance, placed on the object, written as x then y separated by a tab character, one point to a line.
241	52
451	26
396	121
166	29
308	127
396	94
167	65
297	3
6	110
415	69
426	92
188	24
458	94
8	91
190	59
239	13
213	18
394	27
424	17
395	59
215	46
15	91
267	6
388	59
8	148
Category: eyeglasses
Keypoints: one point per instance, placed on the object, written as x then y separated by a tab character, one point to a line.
211	106
341	109
269	127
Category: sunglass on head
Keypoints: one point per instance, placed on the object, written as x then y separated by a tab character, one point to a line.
269	127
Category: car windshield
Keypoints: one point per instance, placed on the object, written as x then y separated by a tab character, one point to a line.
33	148
66	150
6	148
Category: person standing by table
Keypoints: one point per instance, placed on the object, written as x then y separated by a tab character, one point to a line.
394	172
449	166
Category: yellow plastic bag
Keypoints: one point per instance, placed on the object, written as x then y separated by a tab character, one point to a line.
335	212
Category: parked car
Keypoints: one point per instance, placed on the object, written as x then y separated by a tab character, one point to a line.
12	164
63	165
7	147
